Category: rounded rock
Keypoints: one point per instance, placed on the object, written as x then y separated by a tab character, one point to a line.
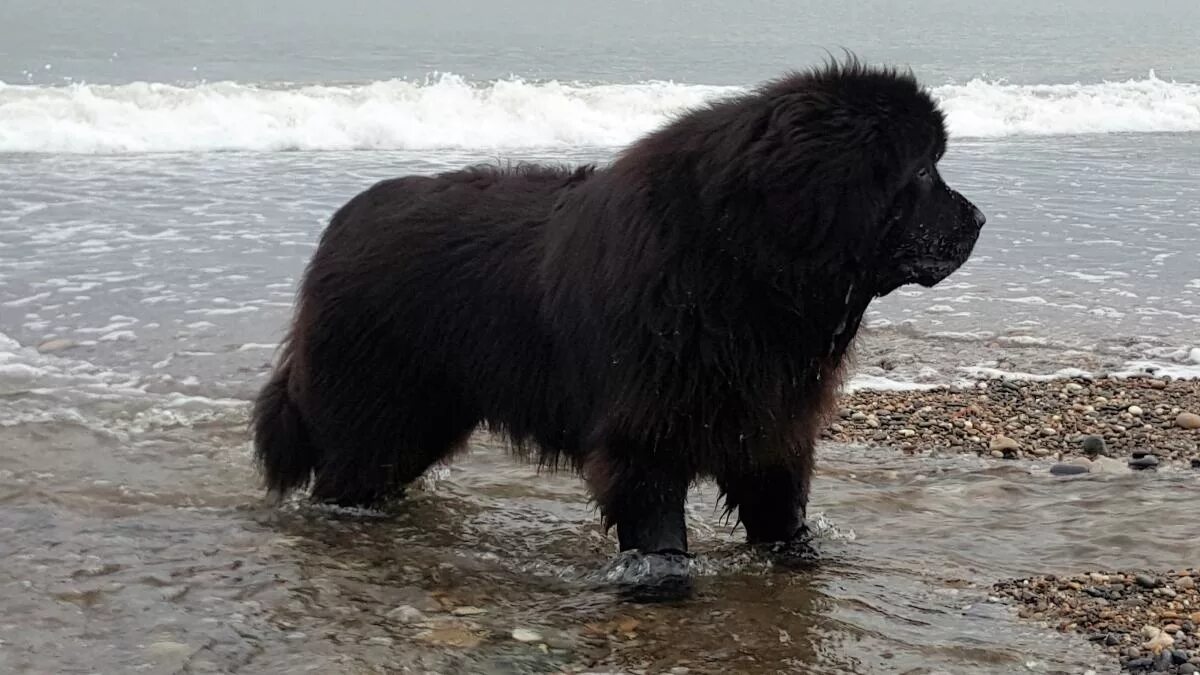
1143	462
1003	444
1136	665
1067	470
1094	445
1188	420
526	635
406	614
56	345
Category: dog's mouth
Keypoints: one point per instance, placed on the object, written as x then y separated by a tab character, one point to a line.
929	273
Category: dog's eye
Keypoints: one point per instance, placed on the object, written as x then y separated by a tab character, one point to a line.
923	173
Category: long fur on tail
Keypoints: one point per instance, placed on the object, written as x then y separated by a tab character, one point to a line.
282	446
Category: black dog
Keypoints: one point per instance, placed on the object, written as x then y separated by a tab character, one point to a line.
680	314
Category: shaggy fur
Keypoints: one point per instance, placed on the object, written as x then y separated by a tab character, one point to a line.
680	314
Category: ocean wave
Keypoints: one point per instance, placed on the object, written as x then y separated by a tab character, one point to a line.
449	112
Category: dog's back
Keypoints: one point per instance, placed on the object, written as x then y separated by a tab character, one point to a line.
418	319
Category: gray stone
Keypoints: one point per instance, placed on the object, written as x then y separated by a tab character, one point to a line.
1067	470
1147	581
1139	664
1144	462
1094	446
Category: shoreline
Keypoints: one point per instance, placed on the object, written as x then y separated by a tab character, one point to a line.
1147	620
1150	421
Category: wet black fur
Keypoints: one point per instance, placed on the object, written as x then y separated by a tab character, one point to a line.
682	313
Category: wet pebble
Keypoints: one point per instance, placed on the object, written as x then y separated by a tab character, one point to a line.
1188	420
526	635
1094	446
1146	581
1141	664
1067	469
1143	462
56	345
1003	444
168	649
406	614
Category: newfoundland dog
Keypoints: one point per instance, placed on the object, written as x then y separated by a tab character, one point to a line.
681	313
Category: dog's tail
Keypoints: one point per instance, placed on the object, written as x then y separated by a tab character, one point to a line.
283	448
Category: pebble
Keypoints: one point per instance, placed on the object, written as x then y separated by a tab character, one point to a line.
1093	446
468	611
1188	420
56	345
1144	462
406	614
1067	469
1003	443
1189	669
1147	581
1185	583
1134	410
526	635
1139	664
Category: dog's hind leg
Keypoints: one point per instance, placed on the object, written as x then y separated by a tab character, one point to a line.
375	459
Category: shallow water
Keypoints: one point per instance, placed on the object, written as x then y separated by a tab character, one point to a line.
181	268
135	539
158	274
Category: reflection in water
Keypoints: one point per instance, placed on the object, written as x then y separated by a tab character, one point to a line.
156	552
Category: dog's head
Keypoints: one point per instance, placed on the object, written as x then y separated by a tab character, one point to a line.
927	232
839	171
819	176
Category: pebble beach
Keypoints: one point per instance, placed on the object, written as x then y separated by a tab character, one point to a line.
1145	619
1096	424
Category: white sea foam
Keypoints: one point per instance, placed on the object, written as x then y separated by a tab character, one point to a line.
451	113
45	387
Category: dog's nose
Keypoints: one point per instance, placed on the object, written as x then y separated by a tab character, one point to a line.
980	219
